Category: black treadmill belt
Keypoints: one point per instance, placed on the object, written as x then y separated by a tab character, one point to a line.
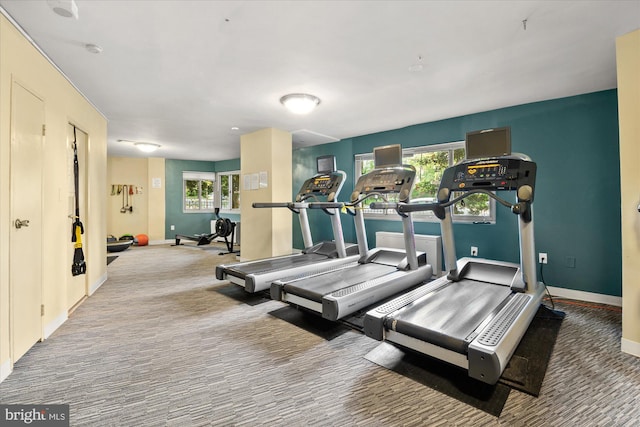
448	317
315	288
274	264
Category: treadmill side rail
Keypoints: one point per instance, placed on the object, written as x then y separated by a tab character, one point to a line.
428	349
240	273
374	319
346	301
302	302
221	270
262	281
236	280
487	362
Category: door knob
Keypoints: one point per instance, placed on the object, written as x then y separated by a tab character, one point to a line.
19	223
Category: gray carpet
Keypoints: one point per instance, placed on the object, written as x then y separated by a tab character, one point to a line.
164	343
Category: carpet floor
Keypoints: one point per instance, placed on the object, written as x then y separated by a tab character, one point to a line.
162	342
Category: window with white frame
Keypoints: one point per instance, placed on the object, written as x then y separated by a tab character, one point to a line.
198	191
229	190
430	162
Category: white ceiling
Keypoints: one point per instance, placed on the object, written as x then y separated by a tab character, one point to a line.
183	73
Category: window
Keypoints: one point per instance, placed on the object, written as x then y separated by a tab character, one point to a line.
198	194
430	163
229	190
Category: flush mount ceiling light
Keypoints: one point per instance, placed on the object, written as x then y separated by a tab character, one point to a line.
65	8
146	147
300	103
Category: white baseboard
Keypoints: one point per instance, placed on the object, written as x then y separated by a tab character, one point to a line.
630	347
5	370
94	287
585	296
55	324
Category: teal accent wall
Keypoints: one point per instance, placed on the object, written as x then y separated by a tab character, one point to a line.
574	142
227	165
190	223
304	167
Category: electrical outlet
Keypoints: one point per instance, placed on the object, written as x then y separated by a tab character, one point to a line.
173	227
474	251
542	258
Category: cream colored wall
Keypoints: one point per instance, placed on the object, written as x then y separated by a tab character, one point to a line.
266	232
21	62
628	66
156	210
148	207
127	171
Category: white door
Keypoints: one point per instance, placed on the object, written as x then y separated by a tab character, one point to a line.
77	285
25	239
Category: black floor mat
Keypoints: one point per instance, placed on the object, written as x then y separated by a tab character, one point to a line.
111	258
525	371
310	322
355	320
440	376
528	365
239	294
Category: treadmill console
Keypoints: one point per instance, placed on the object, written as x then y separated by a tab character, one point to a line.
496	174
398	179
326	185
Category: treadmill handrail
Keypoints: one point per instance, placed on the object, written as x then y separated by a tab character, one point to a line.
383	205
326	205
271	204
438	208
403	208
298	205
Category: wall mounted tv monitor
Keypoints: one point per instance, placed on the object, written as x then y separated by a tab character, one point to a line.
387	156
488	143
326	164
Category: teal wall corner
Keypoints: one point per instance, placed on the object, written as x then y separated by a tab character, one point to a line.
574	142
190	223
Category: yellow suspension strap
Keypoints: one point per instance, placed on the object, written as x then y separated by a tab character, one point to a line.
77	229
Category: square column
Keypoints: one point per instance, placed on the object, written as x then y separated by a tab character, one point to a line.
265	163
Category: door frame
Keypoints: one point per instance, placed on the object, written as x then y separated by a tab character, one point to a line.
12	198
83	181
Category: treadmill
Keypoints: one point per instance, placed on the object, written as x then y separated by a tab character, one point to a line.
475	316
257	275
379	273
